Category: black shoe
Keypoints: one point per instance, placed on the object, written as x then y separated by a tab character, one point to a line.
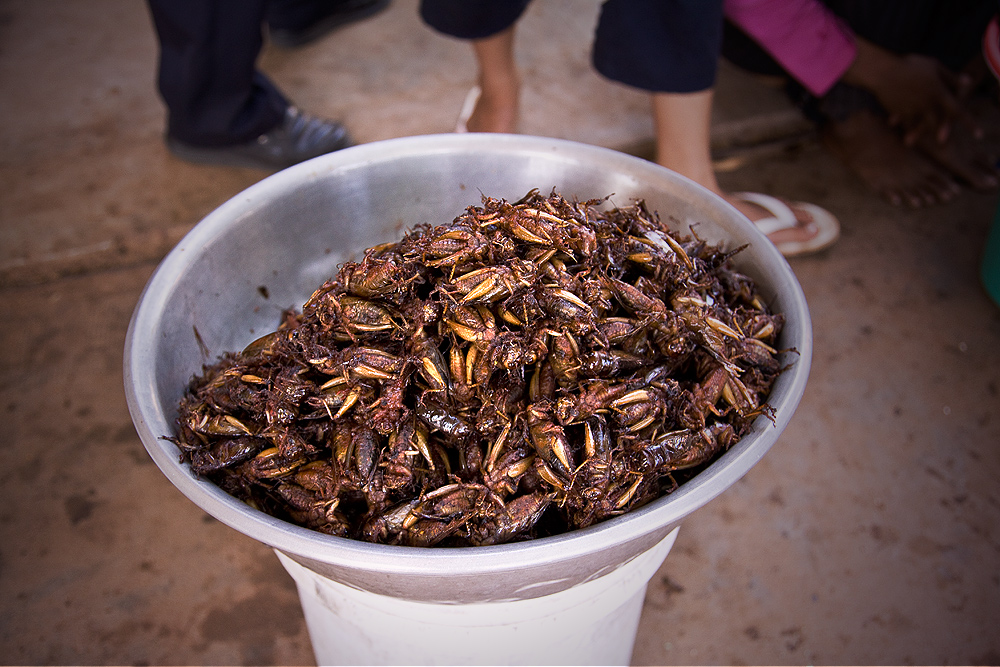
337	14
299	137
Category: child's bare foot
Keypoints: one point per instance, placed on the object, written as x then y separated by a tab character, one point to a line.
873	151
495	111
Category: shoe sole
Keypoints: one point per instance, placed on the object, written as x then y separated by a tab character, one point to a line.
288	39
217	158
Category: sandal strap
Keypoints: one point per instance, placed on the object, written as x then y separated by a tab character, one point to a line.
782	216
468	106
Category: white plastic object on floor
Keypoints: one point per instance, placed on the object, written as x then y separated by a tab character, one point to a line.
593	623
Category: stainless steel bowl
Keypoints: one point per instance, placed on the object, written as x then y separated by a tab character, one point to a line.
269	247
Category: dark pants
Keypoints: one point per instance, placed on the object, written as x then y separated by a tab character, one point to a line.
656	45
208	77
947	30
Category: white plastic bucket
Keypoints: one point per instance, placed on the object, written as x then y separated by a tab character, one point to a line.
593	623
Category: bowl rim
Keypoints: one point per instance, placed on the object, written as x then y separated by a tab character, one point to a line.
661	514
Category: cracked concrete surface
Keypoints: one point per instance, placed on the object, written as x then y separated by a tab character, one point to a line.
869	534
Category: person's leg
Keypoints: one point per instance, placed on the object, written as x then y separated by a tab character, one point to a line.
659	45
682	123
671	50
683	140
207	73
471	19
490	26
498	106
221	110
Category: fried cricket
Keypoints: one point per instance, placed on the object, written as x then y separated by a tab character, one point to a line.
528	369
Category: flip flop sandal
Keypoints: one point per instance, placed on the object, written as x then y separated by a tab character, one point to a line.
827	227
468	106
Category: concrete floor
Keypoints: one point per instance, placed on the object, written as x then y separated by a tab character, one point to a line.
870	534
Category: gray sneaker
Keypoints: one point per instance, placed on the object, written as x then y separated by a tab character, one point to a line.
297	138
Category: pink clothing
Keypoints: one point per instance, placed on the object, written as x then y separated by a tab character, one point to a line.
804	36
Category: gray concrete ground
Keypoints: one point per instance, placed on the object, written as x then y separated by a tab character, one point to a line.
870	534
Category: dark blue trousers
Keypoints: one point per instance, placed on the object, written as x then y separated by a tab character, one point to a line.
208	78
656	45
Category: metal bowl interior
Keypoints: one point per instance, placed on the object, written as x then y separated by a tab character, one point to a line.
268	248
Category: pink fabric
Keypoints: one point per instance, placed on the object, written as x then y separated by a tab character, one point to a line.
806	38
991	47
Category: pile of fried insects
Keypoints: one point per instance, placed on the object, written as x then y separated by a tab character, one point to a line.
529	369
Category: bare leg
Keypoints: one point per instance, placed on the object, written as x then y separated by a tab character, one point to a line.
683	144
500	83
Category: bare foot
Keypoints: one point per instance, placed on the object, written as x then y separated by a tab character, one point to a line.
966	157
870	148
495	111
